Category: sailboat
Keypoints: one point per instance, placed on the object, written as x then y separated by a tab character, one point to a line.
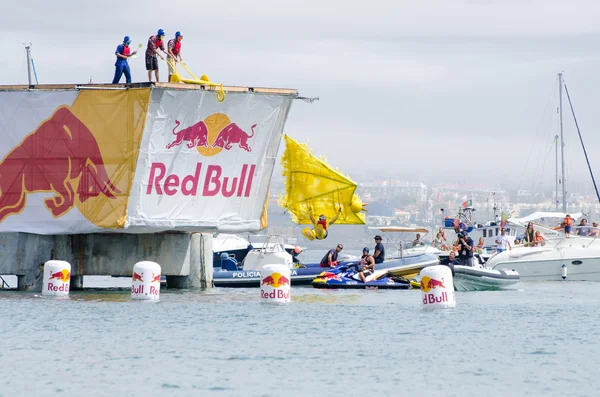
576	258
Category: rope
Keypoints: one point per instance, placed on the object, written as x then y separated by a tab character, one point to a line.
582	145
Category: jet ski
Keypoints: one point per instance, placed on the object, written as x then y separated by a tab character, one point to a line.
348	277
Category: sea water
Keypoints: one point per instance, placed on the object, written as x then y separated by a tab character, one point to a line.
538	339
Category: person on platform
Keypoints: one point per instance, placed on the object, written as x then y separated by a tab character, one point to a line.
330	258
123	53
155	43
174	52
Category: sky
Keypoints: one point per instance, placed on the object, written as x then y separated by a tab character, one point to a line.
431	90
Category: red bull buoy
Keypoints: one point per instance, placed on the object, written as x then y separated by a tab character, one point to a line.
57	278
145	281
275	283
437	287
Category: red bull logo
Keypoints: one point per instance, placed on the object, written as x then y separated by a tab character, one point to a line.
155	279
277	281
209	136
63	276
212	135
136	277
62	157
427	283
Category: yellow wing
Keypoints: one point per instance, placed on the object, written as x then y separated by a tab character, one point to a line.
310	182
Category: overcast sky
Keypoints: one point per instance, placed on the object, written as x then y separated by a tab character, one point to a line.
430	90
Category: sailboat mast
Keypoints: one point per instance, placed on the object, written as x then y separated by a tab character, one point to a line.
562	142
28	50
556	178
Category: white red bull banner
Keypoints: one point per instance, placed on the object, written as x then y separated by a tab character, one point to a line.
138	160
205	164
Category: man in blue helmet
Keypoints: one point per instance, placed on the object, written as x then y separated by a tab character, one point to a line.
123	52
155	42
174	52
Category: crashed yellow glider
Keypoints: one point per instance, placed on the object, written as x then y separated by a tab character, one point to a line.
310	182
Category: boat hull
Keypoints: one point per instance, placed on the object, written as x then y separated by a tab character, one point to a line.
468	278
546	264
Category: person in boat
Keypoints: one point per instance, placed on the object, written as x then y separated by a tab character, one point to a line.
529	238
583	229
517	241
502	241
367	265
465	249
319	230
443	234
480	245
417	241
567	224
330	258
123	53
595	232
379	254
439	243
539	239
297	250
174	52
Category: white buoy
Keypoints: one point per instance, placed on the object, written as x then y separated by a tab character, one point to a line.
437	287
564	271
57	278
145	281
275	283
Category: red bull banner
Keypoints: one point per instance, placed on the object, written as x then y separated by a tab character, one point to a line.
204	164
68	159
136	160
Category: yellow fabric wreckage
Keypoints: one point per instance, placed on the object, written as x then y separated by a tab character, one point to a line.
311	183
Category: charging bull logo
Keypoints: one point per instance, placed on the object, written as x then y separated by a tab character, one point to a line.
212	135
275	280
64	276
61	156
427	283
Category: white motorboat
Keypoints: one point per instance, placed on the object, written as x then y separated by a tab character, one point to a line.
468	278
575	259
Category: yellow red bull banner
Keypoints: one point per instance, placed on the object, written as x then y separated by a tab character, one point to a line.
136	160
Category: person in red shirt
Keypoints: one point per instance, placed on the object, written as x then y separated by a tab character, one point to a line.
174	52
155	43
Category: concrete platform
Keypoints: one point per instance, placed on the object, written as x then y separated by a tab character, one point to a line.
185	258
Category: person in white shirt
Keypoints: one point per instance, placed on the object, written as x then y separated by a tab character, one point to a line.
502	241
